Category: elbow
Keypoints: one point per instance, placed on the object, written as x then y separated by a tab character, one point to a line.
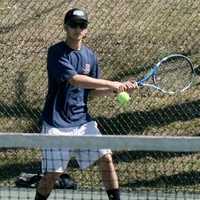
74	80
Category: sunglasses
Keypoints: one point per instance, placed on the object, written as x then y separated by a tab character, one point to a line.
81	25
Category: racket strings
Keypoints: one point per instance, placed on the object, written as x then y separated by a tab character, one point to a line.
174	74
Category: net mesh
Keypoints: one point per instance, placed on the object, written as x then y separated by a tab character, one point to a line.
144	170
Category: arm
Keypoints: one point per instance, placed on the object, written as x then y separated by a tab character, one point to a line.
102	92
129	86
101	85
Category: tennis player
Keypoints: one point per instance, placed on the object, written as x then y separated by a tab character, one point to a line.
73	74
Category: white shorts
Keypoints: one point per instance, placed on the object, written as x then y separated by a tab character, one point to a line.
56	160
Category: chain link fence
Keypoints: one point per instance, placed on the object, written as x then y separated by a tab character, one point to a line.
127	35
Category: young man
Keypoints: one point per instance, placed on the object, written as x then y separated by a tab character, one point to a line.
73	74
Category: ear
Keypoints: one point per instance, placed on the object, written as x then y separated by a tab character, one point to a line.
85	33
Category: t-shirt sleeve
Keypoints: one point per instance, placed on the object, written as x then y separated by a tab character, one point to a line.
59	66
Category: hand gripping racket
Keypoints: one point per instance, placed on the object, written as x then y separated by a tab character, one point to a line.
173	74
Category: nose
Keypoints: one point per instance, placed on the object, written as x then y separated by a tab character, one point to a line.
78	30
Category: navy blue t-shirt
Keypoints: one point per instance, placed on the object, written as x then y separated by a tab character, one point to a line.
66	105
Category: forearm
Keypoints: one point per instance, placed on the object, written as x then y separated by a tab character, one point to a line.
87	82
102	92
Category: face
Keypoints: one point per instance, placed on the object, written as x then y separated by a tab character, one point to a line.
76	30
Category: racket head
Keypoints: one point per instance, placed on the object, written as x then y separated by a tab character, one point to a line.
173	74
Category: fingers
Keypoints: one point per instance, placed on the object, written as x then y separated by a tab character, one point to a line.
117	86
120	87
129	86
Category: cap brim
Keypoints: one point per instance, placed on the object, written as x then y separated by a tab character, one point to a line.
78	19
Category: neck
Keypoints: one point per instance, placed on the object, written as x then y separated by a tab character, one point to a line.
74	44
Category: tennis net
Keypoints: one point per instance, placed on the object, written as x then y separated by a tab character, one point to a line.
148	168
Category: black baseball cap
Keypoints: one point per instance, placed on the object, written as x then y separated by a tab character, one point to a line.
74	15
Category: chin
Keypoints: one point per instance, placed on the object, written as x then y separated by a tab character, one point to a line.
78	38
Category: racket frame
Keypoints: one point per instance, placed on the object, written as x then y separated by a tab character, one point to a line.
151	74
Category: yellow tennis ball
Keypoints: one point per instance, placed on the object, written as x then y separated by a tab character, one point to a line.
123	98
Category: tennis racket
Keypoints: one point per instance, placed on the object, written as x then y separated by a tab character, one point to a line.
173	74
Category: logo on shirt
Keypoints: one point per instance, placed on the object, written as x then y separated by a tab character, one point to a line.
86	69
